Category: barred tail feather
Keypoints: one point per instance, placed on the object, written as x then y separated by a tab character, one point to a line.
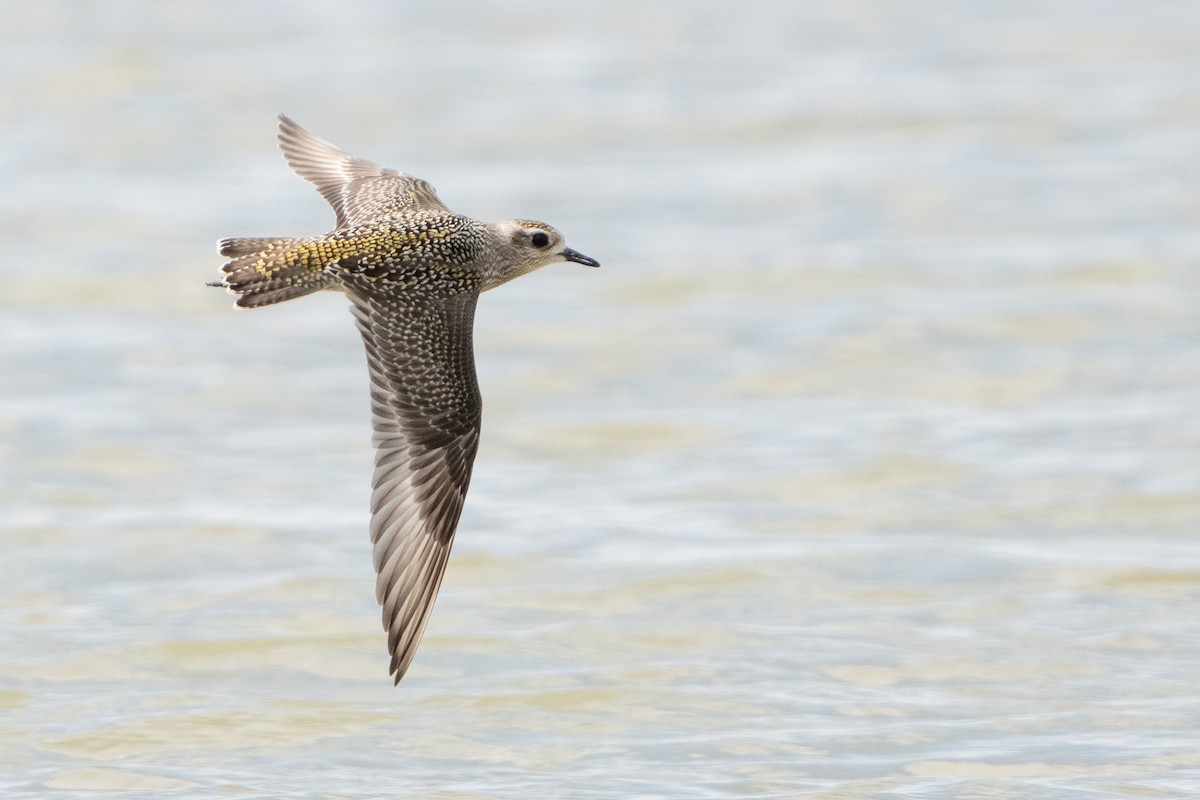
263	271
245	247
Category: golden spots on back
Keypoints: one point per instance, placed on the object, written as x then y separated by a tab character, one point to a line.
437	253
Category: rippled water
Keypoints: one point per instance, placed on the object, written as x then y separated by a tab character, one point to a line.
867	466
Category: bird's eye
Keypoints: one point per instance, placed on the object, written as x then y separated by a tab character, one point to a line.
539	239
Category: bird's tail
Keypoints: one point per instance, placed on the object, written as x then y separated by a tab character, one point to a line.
266	271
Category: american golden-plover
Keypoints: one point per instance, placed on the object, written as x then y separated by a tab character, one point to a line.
413	270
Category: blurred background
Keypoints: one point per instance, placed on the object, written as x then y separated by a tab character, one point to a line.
867	465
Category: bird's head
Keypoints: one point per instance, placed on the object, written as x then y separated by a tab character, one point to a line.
523	245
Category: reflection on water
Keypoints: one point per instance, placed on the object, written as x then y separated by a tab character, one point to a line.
867	465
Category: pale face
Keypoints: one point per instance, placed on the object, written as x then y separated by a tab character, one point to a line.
527	245
535	242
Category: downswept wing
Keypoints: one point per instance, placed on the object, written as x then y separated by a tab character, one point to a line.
426	411
360	191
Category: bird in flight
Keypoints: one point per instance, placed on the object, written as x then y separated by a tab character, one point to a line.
413	271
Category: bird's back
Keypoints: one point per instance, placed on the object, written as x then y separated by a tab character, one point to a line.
431	254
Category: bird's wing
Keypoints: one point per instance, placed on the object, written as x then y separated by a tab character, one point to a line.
426	410
358	190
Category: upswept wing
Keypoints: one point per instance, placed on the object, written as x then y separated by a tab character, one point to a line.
359	191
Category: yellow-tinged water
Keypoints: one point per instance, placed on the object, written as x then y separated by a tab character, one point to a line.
867	466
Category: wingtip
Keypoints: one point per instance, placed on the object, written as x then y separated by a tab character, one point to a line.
287	128
397	670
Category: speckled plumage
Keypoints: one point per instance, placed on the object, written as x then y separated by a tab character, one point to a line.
413	271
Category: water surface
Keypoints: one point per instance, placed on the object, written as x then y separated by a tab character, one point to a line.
867	465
